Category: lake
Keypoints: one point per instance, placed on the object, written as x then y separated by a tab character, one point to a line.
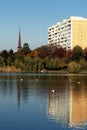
43	101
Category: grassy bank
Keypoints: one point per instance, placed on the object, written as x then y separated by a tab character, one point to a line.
9	69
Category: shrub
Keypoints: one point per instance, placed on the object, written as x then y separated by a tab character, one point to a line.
83	64
73	67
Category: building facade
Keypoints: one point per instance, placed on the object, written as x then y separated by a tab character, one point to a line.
69	33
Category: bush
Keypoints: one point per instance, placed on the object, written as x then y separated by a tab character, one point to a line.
74	67
83	64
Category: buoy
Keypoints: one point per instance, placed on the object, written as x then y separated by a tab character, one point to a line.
53	91
21	79
70	80
78	82
37	79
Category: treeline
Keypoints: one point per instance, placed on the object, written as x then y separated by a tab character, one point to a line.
45	58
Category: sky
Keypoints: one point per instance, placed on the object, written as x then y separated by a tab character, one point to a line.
34	17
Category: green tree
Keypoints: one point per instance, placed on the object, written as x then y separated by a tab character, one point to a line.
77	50
83	63
25	50
36	64
28	64
51	63
10	52
18	63
46	63
9	61
2	63
73	67
40	65
4	54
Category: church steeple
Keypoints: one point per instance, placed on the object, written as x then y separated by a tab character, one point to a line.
19	41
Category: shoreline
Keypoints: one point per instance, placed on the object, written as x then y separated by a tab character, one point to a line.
13	69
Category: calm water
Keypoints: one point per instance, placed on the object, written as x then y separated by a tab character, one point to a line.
28	103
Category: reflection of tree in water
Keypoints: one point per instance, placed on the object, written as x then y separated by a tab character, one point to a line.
10	84
22	89
6	85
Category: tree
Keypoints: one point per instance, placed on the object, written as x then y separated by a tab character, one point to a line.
85	53
36	64
46	62
59	52
10	52
25	50
51	63
73	67
70	55
2	63
18	63
83	63
77	50
28	64
4	54
9	61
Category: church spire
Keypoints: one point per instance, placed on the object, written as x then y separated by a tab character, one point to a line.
19	41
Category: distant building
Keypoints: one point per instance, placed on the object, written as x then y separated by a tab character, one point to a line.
69	33
19	41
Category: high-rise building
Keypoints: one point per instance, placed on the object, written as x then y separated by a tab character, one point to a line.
19	41
69	33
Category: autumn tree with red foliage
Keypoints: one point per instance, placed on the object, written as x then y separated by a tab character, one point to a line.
39	52
59	52
70	55
85	53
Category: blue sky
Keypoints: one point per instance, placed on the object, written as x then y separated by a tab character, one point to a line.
34	17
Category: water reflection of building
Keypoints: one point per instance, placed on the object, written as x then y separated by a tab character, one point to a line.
69	105
58	105
78	108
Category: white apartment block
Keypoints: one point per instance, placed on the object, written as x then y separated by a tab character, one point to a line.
69	33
